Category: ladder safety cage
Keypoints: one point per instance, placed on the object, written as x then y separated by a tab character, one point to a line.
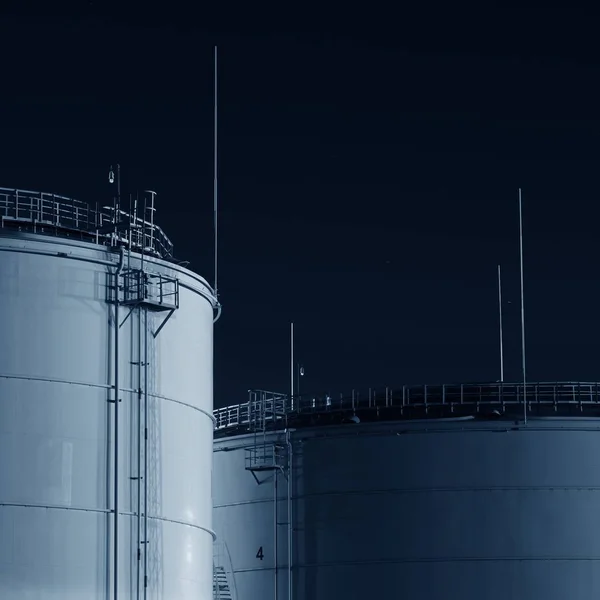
155	291
265	408
138	288
266	457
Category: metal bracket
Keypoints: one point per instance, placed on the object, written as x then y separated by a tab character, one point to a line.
259	481
164	322
126	317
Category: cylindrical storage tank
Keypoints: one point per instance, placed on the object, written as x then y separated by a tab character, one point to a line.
482	506
70	348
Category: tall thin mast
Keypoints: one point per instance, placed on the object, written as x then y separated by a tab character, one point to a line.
292	365
215	188
522	310
500	320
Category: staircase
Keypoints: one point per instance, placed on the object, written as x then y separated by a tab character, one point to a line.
221	590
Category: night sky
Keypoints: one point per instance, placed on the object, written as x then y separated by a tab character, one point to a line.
369	167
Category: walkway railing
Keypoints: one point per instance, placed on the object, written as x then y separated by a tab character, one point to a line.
50	213
420	396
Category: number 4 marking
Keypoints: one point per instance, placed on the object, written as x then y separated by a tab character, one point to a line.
260	554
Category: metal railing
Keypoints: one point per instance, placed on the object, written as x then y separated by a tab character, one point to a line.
224	587
423	397
39	211
140	286
265	456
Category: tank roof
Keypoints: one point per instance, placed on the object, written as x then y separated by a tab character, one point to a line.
51	214
271	411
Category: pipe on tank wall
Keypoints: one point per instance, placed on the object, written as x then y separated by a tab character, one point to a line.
139	456
275	519
289	508
117	400
145	453
218	315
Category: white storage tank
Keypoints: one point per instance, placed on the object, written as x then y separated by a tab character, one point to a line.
102	499
425	493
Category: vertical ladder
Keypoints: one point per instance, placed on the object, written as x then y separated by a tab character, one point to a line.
272	456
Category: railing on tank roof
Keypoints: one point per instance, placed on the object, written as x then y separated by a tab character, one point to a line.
40	209
415	396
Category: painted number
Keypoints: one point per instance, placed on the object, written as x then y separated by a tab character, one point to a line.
260	554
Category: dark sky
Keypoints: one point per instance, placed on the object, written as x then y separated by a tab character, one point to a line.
369	167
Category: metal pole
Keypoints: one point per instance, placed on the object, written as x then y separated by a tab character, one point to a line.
152	209
215	189
116	453
522	310
117	205
292	365
275	541
139	455
143	236
290	514
145	453
118	191
135	220
500	315
129	232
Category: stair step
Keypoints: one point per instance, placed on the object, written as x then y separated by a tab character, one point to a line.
221	589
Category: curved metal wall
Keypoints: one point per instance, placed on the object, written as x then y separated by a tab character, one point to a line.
57	424
421	510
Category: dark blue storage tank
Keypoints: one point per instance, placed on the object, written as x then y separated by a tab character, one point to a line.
426	493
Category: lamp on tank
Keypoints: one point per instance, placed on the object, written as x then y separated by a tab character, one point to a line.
117	197
112	178
300	369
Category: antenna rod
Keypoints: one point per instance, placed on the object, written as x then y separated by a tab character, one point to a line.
522	310
118	191
292	364
215	189
500	313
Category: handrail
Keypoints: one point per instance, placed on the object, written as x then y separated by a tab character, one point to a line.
41	209
222	558
411	396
